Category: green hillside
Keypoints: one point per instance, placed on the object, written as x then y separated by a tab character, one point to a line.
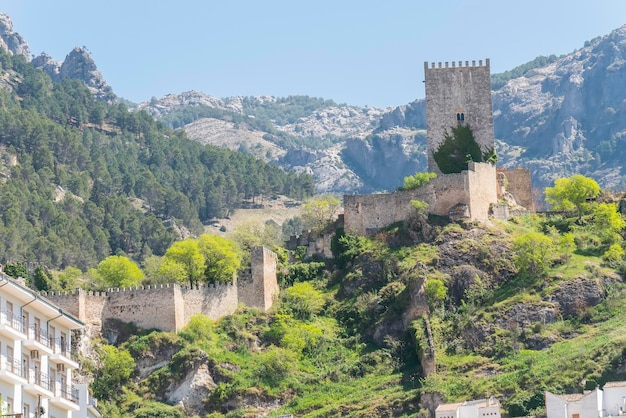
514	307
81	179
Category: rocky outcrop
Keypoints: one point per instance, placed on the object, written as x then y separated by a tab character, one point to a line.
10	40
173	102
78	65
567	117
574	296
383	159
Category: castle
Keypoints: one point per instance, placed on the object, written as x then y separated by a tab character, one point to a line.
170	307
456	96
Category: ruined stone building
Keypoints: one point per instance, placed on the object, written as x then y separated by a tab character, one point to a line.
458	97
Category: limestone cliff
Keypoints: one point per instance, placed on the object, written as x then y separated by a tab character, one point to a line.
10	40
79	65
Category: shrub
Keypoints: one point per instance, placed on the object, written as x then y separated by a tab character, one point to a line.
303	300
274	365
116	367
614	256
417	180
533	253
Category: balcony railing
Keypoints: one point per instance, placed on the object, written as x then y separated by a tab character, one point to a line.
40	379
39	335
67	393
15	366
13	321
61	346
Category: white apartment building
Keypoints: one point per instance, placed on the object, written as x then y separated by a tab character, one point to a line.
35	361
480	408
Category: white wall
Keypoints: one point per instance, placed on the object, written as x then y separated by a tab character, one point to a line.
614	399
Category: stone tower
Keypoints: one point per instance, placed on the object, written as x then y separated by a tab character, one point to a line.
458	94
261	288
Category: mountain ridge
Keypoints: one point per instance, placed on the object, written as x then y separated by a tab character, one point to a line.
563	115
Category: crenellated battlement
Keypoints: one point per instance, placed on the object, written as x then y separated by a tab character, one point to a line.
169	307
453	64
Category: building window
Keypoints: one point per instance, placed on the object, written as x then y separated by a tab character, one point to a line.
460	117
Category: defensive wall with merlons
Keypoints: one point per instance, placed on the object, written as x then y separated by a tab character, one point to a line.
169	307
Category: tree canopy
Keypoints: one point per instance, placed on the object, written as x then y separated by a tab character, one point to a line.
118	271
458	149
319	211
572	193
417	180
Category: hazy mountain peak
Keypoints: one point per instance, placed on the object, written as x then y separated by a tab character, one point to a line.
10	40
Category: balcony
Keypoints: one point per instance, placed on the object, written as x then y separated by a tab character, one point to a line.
11	326
64	397
37	339
61	353
12	370
39	384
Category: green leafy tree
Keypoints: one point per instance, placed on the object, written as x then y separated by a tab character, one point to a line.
533	253
417	180
303	300
436	292
158	411
572	193
16	270
116	368
222	258
614	256
253	233
69	278
607	222
189	258
319	212
119	271
42	279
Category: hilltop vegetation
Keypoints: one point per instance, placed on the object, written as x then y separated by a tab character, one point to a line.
514	308
82	180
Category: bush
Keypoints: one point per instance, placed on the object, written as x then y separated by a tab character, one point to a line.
274	365
303	300
116	367
614	256
533	253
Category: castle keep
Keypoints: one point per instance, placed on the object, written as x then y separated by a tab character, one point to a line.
170	307
456	96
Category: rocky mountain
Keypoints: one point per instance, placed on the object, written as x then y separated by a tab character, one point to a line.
78	65
10	40
564	115
558	119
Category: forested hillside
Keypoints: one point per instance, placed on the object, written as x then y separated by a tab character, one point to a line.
83	179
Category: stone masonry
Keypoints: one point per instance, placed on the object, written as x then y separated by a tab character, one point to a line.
170	307
458	94
455	94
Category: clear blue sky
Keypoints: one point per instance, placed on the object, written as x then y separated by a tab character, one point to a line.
357	52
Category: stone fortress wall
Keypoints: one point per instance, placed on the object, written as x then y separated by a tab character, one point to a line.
169	307
454	95
517	181
474	188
